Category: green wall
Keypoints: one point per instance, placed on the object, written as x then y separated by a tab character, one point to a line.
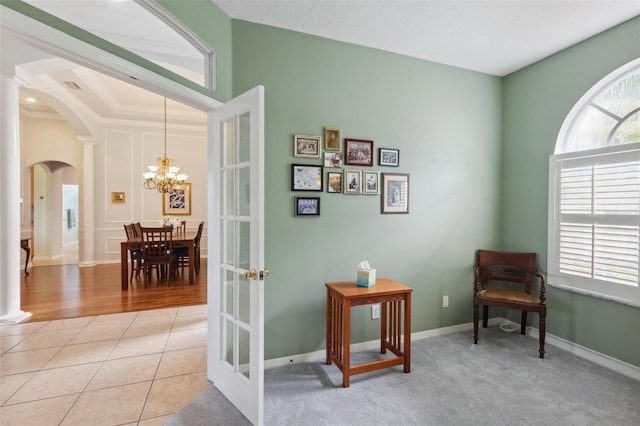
536	101
445	122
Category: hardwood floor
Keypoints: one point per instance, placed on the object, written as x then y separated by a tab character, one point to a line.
67	291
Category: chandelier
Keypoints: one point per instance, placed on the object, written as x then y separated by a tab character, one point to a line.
164	177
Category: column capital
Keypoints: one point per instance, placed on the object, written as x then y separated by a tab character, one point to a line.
86	141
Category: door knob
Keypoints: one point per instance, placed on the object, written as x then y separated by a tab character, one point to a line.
250	275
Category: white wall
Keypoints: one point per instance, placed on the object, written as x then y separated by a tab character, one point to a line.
122	153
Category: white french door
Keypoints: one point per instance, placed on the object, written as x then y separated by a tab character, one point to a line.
236	240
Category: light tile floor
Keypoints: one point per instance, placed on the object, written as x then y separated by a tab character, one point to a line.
135	368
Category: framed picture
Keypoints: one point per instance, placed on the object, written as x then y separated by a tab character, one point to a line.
307	206
370	183
389	157
177	201
331	139
333	159
117	197
395	193
306	146
352	182
306	177
334	182
358	152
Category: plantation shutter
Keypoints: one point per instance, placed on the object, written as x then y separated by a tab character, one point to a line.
597	236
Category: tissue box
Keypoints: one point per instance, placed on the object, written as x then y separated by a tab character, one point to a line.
366	278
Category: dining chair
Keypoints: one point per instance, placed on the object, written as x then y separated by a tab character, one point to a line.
135	251
158	253
183	252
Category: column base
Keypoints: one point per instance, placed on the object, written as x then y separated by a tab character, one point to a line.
14	318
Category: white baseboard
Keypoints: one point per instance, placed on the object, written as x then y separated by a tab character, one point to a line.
573	348
601	359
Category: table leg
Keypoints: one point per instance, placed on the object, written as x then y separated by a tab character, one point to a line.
346	361
124	266
25	246
407	333
384	320
328	317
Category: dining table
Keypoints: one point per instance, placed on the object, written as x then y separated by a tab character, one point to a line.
179	239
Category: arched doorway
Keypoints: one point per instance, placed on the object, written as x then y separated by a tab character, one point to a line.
54	213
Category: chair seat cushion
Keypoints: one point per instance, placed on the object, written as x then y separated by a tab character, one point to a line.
508	295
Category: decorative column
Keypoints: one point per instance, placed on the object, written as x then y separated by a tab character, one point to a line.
87	214
10	312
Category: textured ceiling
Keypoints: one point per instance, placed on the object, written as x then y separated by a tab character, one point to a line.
494	37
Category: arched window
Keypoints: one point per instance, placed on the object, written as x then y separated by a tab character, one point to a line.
594	192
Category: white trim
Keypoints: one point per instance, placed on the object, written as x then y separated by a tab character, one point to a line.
209	55
603	360
49	39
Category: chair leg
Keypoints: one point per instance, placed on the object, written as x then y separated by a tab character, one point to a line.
523	322
485	316
542	332
133	267
476	314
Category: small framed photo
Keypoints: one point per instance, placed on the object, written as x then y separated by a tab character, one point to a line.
177	201
331	139
395	193
334	182
352	182
370	183
333	159
358	152
117	197
306	146
389	157
306	177
307	206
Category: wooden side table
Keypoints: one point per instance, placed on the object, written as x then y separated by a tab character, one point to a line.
394	322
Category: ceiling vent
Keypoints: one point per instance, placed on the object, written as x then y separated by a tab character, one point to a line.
71	85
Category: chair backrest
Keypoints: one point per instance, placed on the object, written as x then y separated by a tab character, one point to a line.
129	230
183	225
506	266
137	230
157	244
199	234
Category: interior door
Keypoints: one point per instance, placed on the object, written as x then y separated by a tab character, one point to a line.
236	240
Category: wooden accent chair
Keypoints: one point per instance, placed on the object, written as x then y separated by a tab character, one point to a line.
158	253
135	253
499	268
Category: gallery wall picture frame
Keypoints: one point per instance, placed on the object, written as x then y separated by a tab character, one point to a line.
395	193
177	201
370	182
352	182
389	157
306	146
117	197
334	182
331	139
333	160
307	206
358	152
306	177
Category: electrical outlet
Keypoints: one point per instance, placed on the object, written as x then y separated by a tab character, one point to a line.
375	311
445	301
